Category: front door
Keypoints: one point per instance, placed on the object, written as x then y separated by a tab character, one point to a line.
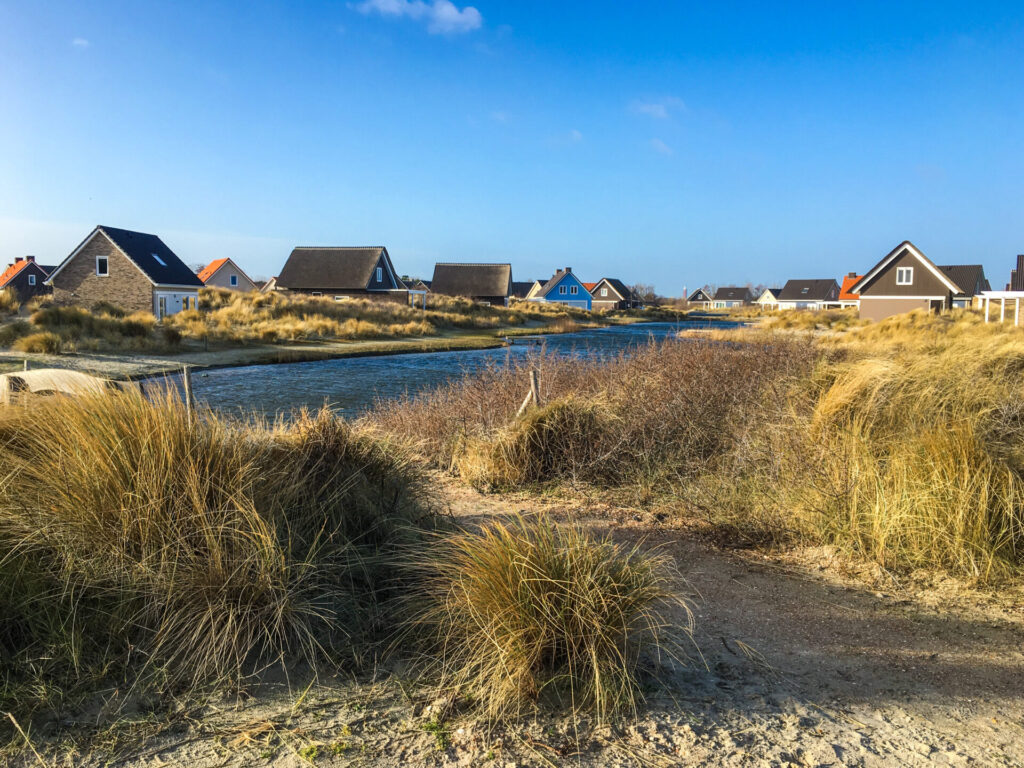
161	308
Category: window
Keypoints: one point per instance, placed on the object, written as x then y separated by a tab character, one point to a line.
102	267
574	289
318	293
561	290
604	291
31	279
159	261
234	280
380	274
187	302
804	290
904	276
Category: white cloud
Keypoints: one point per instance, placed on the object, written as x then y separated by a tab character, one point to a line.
661	147
659	108
575	135
442	17
80	42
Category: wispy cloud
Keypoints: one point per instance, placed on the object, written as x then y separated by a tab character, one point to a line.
660	109
660	147
80	42
442	17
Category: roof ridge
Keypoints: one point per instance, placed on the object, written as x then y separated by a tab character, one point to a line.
335	247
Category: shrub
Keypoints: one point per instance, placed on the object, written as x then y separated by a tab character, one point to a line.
183	552
11	332
45	343
530	609
9	301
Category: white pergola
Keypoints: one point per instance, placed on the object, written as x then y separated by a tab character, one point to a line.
1002	297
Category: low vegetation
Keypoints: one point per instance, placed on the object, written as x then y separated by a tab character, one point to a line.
897	441
9	302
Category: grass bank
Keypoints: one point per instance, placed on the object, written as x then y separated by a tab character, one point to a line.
898	442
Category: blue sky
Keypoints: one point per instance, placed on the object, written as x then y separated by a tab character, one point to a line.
666	143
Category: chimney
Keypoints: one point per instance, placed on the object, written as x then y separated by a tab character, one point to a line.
18	259
559	271
568	269
851	274
30	258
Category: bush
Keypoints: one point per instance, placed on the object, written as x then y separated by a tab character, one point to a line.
45	343
530	609
182	553
9	301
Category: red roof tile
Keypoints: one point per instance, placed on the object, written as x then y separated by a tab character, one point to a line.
848	283
207	272
590	286
12	270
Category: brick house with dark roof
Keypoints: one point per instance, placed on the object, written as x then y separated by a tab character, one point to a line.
224	273
732	296
611	293
26	278
486	283
809	294
132	270
342	273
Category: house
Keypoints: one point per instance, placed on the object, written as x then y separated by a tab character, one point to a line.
129	269
415	284
269	286
485	283
535	288
224	273
769	299
731	296
905	279
700	298
521	288
1017	276
25	278
848	298
565	288
342	273
611	293
809	294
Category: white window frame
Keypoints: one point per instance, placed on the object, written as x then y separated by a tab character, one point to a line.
32	280
106	264
604	291
233	280
317	293
908	272
574	289
380	274
159	261
561	290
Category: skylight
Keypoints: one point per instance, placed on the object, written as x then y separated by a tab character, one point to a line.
159	261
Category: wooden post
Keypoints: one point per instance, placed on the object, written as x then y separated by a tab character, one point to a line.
26	363
1016	311
186	378
535	386
1002	309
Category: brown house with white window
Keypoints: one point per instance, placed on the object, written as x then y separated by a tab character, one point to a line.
611	293
132	270
26	278
342	273
905	280
224	273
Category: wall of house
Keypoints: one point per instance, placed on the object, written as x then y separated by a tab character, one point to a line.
124	286
385	281
222	279
879	309
925	282
20	283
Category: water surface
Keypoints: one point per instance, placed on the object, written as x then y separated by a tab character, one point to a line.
350	385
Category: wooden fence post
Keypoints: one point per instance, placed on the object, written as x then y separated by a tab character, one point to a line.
535	386
186	378
26	363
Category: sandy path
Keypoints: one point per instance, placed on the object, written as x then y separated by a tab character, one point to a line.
802	668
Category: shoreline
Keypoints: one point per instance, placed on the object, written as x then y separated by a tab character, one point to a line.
140	367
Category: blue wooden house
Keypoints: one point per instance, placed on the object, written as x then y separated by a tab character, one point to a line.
565	288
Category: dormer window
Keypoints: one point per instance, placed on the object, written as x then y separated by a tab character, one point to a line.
102	266
904	276
804	290
158	260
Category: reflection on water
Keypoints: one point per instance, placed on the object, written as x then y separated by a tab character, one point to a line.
350	385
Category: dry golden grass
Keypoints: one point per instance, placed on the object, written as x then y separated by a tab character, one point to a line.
9	302
807	320
531	610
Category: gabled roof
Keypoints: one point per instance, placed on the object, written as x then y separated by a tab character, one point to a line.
590	286
732	293
773	292
808	290
845	294
314	268
454	279
522	287
15	269
913	250
970	277
699	295
615	284
214	266
147	252
558	277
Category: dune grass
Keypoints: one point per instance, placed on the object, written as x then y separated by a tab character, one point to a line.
531	611
9	302
143	546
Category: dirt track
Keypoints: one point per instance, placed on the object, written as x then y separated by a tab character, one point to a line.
801	667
